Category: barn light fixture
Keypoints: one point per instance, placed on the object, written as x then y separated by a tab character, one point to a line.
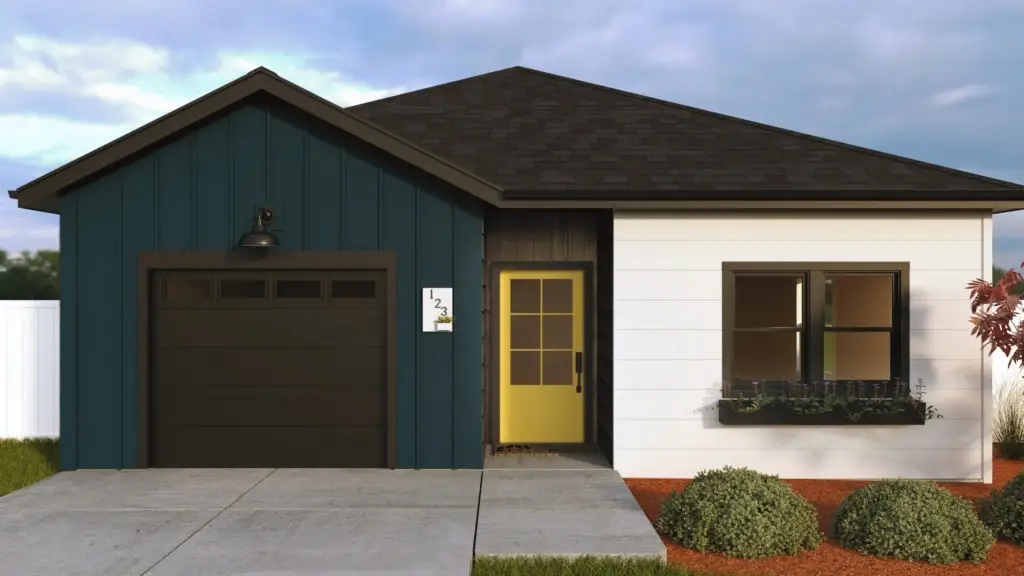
259	236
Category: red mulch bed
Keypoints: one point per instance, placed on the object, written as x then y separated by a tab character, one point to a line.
831	559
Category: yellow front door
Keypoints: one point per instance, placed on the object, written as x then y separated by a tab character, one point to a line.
542	346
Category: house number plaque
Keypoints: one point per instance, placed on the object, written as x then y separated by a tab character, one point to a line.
437	310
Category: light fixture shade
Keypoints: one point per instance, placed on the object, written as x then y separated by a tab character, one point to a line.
259	236
258	239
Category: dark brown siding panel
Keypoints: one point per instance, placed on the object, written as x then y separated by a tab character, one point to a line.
605	333
543	236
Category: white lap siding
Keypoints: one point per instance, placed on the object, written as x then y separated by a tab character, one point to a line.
668	345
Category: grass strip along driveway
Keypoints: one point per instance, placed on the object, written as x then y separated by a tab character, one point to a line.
25	462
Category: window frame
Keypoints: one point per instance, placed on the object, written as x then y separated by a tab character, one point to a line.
812	342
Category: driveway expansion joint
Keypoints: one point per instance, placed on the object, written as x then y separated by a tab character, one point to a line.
207	523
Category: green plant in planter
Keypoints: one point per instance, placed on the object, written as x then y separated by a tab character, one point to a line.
851	400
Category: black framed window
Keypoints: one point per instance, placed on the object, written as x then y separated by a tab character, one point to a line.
815	322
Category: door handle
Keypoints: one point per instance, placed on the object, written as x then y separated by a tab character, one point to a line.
579	372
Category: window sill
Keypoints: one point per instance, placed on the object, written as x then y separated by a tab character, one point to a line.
731	413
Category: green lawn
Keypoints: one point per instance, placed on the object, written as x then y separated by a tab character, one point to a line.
577	567
25	462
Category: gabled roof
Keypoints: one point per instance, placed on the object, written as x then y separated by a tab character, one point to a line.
523	135
42	193
536	134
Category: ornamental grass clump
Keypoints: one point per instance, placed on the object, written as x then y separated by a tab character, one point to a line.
1003	511
1008	418
912	520
741	513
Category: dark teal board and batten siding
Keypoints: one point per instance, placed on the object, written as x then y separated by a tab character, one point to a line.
199	192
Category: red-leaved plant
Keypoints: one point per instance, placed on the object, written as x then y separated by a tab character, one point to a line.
993	309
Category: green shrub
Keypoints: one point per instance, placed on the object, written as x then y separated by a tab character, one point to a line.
1008	418
741	513
1003	511
912	520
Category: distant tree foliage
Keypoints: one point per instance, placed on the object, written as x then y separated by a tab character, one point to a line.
30	275
997	275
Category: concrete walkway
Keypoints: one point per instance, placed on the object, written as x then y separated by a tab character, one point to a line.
312	522
562	513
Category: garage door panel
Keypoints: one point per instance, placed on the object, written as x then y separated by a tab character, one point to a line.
293	328
255	367
269	369
270	447
271	405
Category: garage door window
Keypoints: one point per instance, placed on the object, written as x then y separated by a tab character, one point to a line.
353	289
298	289
243	289
186	290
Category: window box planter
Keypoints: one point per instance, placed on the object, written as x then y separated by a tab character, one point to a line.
787	412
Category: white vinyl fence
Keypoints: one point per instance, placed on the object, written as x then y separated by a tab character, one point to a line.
29	368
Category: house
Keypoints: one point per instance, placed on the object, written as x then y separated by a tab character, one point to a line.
516	258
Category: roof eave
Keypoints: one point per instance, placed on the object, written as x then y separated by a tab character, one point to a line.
880	194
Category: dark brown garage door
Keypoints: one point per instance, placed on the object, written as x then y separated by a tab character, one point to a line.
268	369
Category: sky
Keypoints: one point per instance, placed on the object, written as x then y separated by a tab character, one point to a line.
935	80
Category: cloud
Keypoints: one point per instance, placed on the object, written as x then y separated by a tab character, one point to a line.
878	73
960	95
130	77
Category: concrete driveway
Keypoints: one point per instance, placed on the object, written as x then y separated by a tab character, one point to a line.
282	522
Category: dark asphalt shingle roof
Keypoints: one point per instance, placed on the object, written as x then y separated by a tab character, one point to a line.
527	130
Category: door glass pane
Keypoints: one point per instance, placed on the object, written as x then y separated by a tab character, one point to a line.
857	356
766	356
558	368
558	332
858	300
524	368
524	332
524	296
769	301
558	296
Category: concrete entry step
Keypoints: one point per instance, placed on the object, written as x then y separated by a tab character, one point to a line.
562	513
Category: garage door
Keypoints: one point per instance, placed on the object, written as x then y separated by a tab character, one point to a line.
268	369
